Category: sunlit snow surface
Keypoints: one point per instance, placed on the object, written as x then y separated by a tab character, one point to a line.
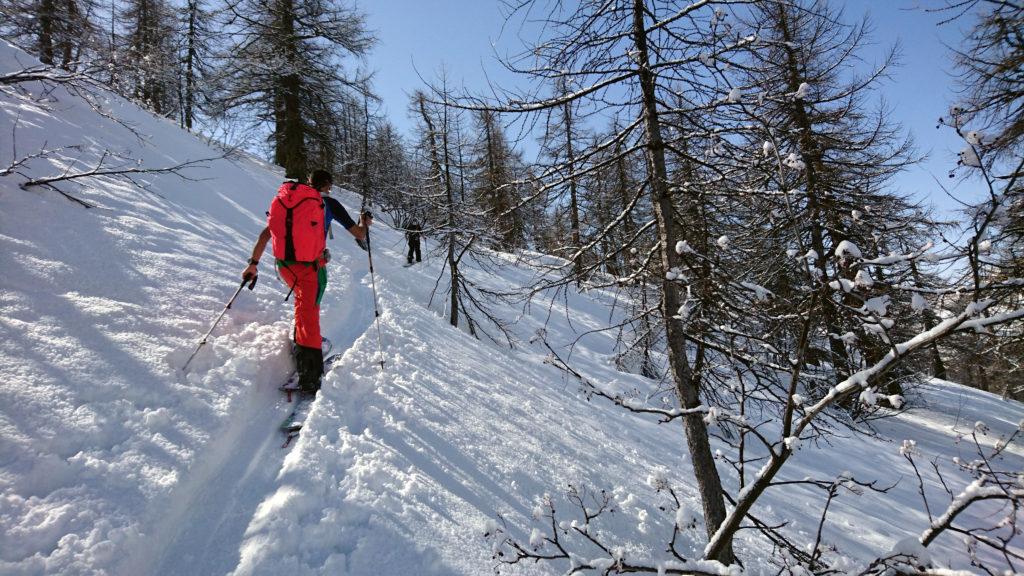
114	461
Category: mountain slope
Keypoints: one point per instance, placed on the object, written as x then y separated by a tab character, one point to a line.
99	428
112	460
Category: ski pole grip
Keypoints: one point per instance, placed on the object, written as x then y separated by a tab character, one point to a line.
252	284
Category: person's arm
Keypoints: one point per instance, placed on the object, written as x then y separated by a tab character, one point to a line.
341	215
360	230
257	251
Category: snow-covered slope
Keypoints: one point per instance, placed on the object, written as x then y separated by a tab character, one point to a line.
112	460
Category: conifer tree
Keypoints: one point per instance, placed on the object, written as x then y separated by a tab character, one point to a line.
59	32
495	189
285	69
150	55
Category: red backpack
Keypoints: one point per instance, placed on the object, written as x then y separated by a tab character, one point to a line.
296	222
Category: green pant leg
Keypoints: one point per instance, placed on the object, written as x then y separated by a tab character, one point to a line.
322	283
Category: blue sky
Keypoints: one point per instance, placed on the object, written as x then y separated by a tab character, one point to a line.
418	38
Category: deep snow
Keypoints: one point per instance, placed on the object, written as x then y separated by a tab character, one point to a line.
112	460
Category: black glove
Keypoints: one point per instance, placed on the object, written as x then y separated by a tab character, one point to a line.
251	278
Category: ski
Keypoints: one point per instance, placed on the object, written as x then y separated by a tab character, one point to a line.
303	403
297	417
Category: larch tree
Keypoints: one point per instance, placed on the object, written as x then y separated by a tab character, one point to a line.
458	223
829	153
493	174
285	69
196	46
149	55
59	32
989	120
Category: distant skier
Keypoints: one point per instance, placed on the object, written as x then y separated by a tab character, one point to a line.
412	236
298	222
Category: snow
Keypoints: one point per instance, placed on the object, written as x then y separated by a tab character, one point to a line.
842	284
908	448
761	293
802	91
863	279
847	249
114	461
878	305
794	161
912	548
969	157
869	397
918	302
686	517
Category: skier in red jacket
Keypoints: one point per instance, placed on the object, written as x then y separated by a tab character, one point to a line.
298	223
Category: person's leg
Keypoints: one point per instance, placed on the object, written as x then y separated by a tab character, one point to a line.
308	354
419	258
409	257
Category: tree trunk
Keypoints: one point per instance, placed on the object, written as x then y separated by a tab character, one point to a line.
574	210
190	57
289	131
70	34
444	179
687	386
453	264
928	319
811	156
47	19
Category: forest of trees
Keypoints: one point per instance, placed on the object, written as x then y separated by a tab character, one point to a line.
725	166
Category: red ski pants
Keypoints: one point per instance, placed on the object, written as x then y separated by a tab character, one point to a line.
305	280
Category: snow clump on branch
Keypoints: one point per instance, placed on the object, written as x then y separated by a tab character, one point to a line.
683	247
968	157
794	162
847	249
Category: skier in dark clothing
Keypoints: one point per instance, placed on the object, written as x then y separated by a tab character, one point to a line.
412	235
301	257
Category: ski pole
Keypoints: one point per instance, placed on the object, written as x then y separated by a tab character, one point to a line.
221	315
376	309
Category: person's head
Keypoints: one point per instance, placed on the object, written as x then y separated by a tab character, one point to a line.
321	180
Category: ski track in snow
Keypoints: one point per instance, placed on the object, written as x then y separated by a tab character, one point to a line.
242	464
